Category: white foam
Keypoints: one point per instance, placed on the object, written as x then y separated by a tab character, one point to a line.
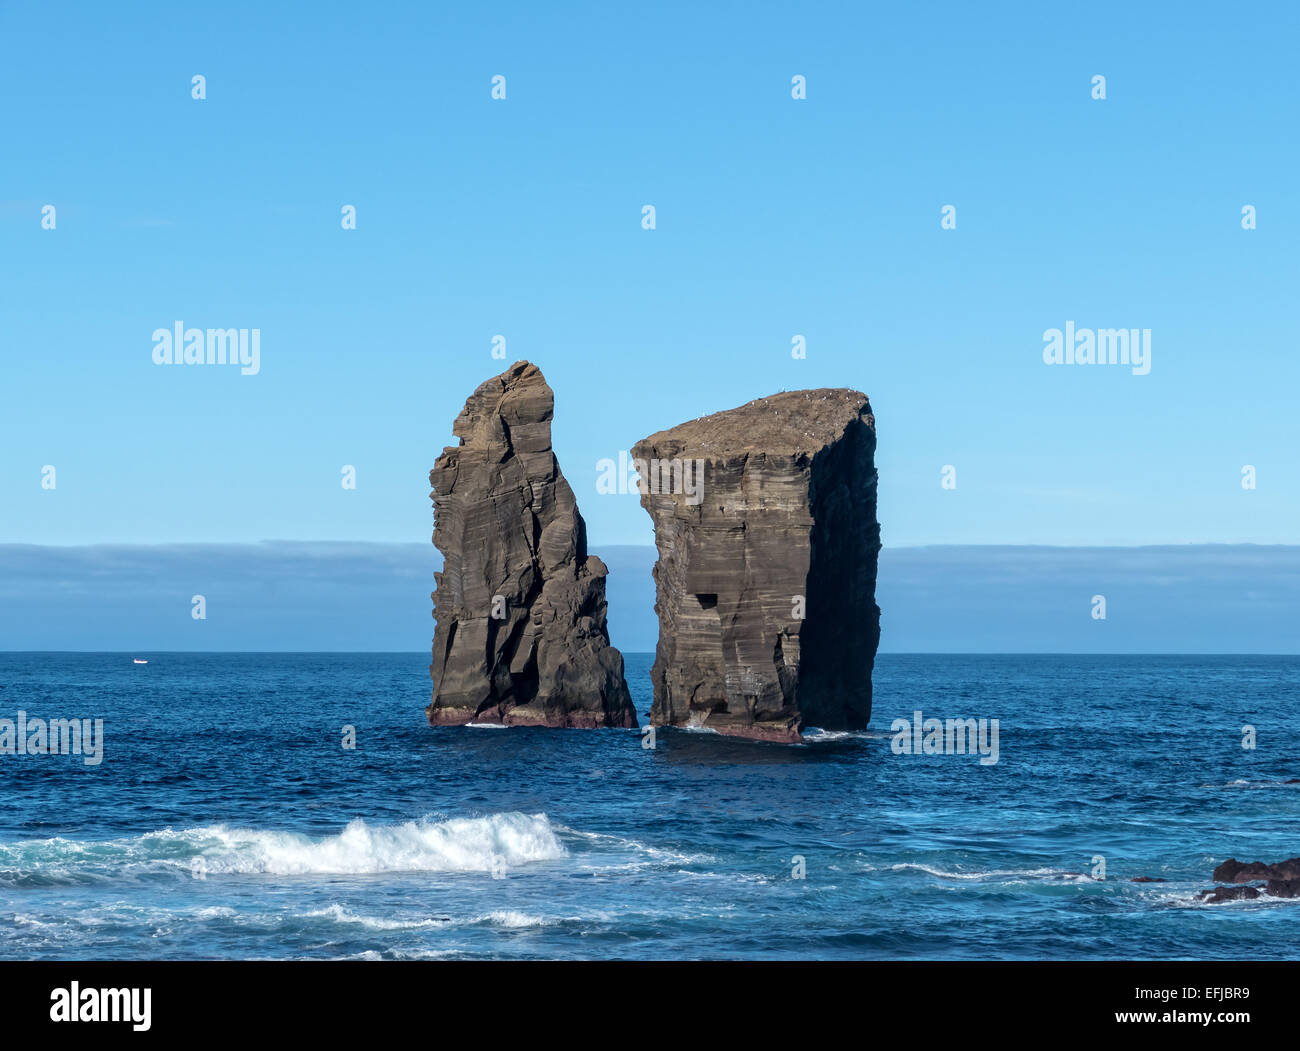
814	734
339	914
455	845
1039	873
513	919
216	912
1194	901
1242	783
642	855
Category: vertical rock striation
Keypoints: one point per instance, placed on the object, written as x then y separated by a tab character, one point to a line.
783	524
521	637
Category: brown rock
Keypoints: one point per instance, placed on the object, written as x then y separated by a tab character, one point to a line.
1217	894
521	637
1234	871
765	521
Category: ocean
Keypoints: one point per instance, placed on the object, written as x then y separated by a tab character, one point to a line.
227	821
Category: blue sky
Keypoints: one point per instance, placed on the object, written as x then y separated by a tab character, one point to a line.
522	217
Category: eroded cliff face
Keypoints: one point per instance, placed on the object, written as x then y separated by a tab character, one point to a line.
766	578
521	636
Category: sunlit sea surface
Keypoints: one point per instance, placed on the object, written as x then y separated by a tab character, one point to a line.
227	821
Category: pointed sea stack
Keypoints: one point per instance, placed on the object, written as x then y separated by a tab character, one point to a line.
521	637
765	521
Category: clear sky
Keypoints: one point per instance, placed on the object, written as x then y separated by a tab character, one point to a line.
523	217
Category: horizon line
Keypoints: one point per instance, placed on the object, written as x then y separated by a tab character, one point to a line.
593	545
651	653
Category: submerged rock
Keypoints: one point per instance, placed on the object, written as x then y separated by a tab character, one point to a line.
521	636
1283	888
1217	894
765	522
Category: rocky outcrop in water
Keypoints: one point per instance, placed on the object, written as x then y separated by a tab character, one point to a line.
765	522
1282	888
1234	871
1281	880
521	637
1217	894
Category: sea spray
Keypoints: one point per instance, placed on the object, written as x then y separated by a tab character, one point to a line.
456	845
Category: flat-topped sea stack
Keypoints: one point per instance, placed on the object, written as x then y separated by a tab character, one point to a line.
521	637
765	521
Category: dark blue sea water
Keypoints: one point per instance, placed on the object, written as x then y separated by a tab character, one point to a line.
226	819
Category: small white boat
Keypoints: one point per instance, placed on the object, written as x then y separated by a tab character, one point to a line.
137	660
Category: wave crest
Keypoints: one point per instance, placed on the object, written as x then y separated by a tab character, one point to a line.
454	845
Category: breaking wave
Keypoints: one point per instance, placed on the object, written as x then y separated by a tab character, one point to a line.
454	845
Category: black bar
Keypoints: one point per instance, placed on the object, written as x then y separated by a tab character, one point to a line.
611	1002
